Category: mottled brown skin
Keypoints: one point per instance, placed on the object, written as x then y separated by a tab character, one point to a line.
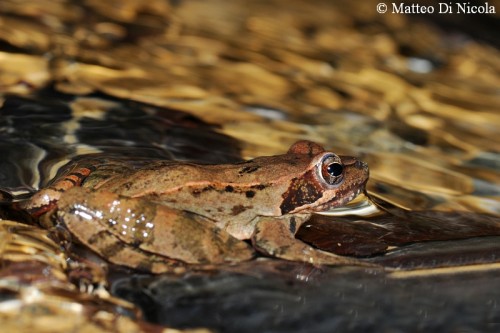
199	214
131	231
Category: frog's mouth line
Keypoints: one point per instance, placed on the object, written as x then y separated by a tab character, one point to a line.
343	198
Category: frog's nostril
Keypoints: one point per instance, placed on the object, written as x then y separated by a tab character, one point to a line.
361	165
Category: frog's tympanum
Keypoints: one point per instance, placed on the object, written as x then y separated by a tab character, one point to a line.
169	214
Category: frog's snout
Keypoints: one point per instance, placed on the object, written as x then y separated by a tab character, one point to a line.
361	165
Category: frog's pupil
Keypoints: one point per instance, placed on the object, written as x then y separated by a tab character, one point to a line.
335	169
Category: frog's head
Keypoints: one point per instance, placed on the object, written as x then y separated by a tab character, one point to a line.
329	181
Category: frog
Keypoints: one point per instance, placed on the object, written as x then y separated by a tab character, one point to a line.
165	215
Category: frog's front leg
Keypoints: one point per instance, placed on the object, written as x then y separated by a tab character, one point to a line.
276	237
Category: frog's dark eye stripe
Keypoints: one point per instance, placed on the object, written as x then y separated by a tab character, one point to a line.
331	169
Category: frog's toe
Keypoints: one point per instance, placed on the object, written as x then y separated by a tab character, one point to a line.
239	251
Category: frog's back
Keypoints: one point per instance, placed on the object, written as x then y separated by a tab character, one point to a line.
171	177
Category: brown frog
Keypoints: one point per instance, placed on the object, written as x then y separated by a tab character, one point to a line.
166	214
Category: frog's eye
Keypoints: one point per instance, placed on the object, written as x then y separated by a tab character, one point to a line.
331	169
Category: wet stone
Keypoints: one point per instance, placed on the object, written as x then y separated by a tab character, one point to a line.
333	299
